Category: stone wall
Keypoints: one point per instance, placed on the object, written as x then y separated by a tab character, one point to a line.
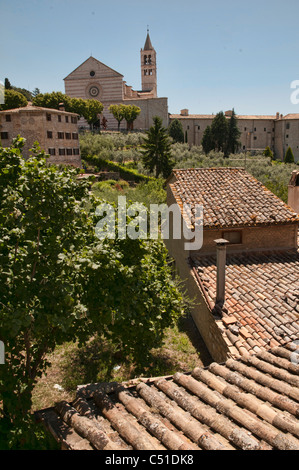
55	131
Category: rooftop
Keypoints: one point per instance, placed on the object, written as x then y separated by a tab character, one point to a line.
245	404
231	197
261	308
32	109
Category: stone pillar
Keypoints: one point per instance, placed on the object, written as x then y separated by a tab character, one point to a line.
221	262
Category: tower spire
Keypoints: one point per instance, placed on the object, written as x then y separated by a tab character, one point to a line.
149	67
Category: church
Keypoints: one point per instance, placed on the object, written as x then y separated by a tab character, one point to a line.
95	80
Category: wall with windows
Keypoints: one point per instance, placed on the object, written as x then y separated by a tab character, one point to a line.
56	131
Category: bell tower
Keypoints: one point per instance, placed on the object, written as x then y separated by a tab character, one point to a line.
148	67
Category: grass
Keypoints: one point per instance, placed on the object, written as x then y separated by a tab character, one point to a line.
99	361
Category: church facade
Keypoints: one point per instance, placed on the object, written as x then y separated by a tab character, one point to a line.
95	80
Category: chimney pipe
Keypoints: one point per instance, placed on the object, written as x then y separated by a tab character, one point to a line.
221	262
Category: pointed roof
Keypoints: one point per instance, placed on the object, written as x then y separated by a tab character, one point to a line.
95	61
148	44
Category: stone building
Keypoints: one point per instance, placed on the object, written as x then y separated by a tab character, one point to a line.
246	300
257	132
95	80
56	131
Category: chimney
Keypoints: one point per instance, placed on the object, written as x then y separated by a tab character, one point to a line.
221	262
185	112
293	191
61	107
277	115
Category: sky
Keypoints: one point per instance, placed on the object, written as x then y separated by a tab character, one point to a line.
212	55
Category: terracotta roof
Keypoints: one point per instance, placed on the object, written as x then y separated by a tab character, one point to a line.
33	109
248	404
261	306
231	197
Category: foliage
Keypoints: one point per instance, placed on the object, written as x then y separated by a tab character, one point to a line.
157	149
175	130
117	110
268	152
289	156
13	99
125	112
59	283
126	173
89	109
233	136
131	112
222	135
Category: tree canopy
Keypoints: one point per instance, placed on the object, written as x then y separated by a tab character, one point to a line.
222	135
88	109
13	99
157	149
125	112
175	130
59	282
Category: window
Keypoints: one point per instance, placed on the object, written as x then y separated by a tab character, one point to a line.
4	135
255	129
288	125
265	129
60	135
145	72
234	237
245	128
49	134
8	118
68	135
61	151
254	138
92	73
59	118
244	147
287	136
198	127
150	72
66	119
75	136
74	120
69	152
52	152
76	151
49	117
145	60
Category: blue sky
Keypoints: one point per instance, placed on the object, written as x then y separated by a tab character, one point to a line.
212	55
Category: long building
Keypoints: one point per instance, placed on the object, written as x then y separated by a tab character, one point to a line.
257	132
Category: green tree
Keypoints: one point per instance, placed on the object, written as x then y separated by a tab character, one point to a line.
7	84
175	130
13	99
207	140
117	110
157	149
289	156
59	282
268	152
131	112
233	135
88	109
219	130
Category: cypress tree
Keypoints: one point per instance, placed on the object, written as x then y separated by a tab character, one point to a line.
176	131
289	156
157	149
